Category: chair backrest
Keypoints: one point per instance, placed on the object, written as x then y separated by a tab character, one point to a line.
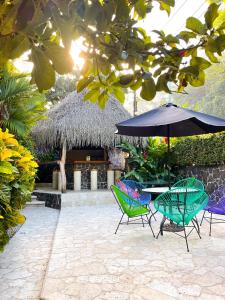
127	189
181	204
128	205
190	182
133	184
217	196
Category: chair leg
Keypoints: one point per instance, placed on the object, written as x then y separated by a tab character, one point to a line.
149	223
161	227
152	213
128	220
202	218
196	227
185	235
142	221
119	223
210	225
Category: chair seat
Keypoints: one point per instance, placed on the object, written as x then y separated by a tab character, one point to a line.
216	207
144	199
216	210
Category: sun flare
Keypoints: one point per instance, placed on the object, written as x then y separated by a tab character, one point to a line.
76	48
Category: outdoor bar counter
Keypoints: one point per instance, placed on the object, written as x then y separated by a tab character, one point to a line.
85	166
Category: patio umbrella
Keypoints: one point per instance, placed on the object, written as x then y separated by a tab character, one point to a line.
170	120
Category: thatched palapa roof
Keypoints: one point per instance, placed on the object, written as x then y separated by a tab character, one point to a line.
81	123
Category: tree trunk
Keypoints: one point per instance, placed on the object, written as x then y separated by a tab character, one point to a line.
62	168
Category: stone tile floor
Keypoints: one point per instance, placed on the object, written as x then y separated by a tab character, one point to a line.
88	262
24	261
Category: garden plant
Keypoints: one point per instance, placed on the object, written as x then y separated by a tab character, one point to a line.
17	173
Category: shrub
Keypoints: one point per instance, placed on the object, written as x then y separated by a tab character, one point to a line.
201	151
149	165
17	173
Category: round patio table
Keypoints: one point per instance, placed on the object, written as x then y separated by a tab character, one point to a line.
172	227
156	190
160	190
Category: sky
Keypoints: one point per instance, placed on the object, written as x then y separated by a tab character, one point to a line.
176	21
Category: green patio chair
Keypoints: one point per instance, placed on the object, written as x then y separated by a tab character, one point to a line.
190	182
132	209
181	205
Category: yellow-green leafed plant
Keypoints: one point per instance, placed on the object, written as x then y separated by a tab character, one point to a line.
17	173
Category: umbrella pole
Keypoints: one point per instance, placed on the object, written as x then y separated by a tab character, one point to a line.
168	149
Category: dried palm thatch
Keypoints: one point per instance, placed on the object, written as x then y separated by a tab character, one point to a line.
81	123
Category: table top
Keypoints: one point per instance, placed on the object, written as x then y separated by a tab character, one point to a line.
160	190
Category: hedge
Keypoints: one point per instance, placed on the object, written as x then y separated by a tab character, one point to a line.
17	173
205	150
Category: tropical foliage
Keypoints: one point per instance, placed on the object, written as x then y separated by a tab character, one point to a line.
114	43
149	165
210	98
21	105
206	150
17	172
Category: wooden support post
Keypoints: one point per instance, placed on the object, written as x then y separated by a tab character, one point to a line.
62	168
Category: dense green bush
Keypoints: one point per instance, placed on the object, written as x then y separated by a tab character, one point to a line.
149	165
206	150
17	172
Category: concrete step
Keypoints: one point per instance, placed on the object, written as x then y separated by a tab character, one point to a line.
35	202
71	198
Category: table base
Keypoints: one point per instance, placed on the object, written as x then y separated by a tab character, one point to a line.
172	227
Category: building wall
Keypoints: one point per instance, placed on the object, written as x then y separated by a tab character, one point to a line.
212	177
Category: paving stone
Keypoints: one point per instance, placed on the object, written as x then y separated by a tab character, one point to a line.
87	261
24	260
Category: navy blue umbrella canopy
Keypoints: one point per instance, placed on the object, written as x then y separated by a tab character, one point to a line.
170	120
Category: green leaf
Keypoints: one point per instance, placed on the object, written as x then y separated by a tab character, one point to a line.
43	72
195	25
191	70
211	15
119	94
102	99
104	66
148	90
8	21
15	46
66	27
102	22
25	14
186	35
216	45
92	95
126	80
122	10
169	39
197	81
6	167
212	45
83	83
169	2
211	56
60	57
200	62
221	26
220	42
164	5
136	85
140	7
162	84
